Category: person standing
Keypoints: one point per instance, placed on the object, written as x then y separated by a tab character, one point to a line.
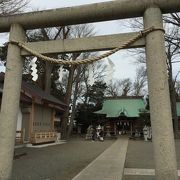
101	135
93	134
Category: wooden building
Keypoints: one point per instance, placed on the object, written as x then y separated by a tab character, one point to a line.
37	113
122	114
125	115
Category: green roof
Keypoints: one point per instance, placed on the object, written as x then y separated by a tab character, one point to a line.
130	107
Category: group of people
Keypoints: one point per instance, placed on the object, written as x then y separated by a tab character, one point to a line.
97	134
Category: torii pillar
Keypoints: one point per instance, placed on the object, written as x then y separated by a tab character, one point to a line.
10	102
160	108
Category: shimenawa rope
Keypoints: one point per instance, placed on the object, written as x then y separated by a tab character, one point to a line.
141	34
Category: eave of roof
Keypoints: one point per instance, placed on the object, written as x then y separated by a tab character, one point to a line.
31	91
130	107
56	107
35	92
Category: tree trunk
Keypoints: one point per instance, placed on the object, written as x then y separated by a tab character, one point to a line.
72	114
49	67
74	102
173	102
67	101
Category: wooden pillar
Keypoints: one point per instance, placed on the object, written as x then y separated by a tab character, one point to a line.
32	119
160	109
131	124
115	131
52	119
10	102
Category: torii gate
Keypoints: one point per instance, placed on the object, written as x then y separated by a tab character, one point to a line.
151	10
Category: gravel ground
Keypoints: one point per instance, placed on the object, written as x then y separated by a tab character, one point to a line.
61	162
140	155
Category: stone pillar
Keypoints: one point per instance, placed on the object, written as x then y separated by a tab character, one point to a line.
160	109
10	102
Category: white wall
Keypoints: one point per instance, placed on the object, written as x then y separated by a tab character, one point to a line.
19	121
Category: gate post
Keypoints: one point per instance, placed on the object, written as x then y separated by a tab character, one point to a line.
160	109
10	102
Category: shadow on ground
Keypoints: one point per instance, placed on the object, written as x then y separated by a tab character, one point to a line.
61	162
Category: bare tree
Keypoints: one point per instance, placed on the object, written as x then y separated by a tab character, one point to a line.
173	19
140	81
122	87
177	88
81	83
172	52
90	74
8	7
75	75
112	89
172	38
76	32
126	86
